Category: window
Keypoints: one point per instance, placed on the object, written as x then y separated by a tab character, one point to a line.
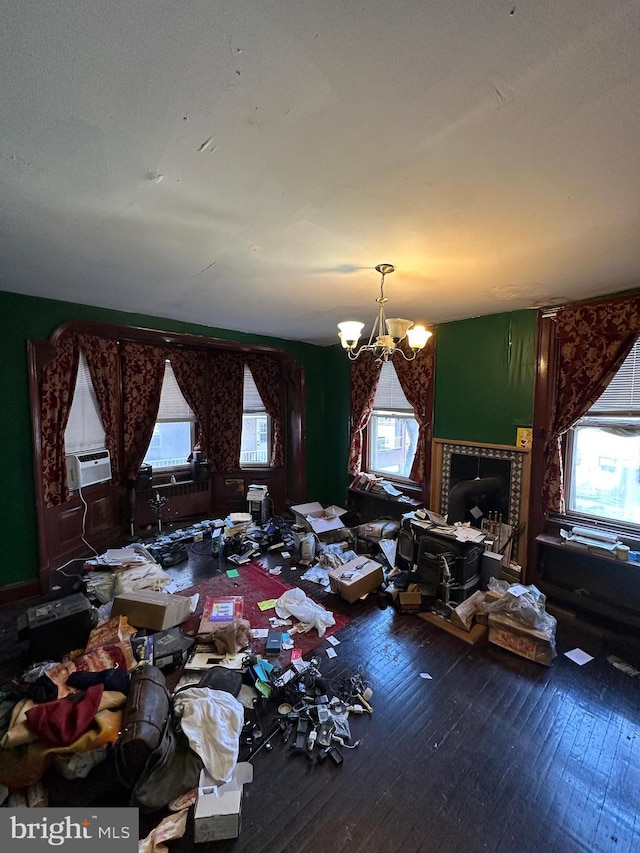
84	430
256	426
174	433
393	430
604	451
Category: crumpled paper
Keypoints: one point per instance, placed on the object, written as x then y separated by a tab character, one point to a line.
172	826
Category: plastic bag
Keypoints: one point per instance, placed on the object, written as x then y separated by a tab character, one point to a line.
310	614
524	603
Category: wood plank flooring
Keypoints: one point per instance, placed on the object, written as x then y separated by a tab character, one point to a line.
492	753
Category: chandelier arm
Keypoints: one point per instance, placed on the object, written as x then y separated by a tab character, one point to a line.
403	354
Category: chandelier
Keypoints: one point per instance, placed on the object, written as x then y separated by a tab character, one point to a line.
386	333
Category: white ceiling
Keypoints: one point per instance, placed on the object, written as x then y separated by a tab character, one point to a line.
246	163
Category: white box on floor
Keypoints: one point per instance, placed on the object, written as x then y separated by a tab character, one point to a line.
313	516
218	807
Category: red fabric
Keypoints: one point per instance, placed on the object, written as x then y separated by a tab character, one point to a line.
255	585
594	340
103	361
57	382
416	380
365	373
142	375
226	386
62	721
267	374
190	369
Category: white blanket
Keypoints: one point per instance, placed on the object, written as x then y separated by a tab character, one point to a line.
212	721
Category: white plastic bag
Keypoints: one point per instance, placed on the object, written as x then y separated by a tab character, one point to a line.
310	614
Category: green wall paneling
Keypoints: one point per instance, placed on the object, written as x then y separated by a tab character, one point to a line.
24	318
485	374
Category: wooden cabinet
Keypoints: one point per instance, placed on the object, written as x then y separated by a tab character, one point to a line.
370	506
587	580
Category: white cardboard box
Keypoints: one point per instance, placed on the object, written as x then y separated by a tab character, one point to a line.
318	518
218	807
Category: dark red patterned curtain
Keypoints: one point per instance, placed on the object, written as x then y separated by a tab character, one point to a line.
226	375
103	362
593	341
416	380
142	375
58	379
190	369
267	374
365	374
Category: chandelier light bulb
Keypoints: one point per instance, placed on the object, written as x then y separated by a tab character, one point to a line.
386	333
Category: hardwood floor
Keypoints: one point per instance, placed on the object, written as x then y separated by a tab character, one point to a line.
492	753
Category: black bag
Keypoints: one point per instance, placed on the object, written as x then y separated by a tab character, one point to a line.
152	760
146	717
222	678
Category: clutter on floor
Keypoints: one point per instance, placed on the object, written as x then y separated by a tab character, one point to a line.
233	649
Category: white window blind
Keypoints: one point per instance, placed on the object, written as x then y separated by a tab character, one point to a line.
389	393
84	428
173	406
623	392
251	399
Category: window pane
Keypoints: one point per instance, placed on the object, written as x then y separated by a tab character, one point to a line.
173	406
84	427
255	440
605	473
392	443
170	444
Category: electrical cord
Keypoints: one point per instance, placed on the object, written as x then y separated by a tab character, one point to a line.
353	686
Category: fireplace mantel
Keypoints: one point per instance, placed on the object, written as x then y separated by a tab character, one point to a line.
520	467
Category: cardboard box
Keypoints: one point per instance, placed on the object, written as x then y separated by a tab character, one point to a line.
313	516
410	602
218	807
356	578
156	611
521	639
115	630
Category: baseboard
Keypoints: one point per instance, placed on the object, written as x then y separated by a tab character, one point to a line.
20	592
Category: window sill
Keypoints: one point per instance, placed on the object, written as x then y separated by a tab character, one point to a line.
629	534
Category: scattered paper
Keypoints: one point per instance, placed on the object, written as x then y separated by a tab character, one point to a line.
333	640
267	604
233	573
426	675
172	826
578	656
275	570
287	642
285	554
259	633
518	589
332	653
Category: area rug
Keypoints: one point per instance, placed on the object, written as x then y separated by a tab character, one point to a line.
256	585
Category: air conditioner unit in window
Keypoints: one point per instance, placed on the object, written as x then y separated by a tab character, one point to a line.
86	469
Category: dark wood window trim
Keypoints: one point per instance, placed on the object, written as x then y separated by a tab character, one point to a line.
41	352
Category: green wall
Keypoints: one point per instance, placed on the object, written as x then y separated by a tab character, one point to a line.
485	376
484	380
24	318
